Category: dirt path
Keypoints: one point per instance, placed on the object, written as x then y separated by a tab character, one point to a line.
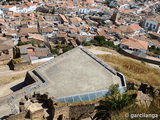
99	52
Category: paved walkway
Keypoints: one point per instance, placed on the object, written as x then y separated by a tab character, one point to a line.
99	52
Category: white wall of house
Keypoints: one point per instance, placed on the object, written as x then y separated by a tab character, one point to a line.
123	46
1	14
13	8
8	9
151	24
94	10
138	31
41	60
83	11
26	10
158	30
142	50
124	6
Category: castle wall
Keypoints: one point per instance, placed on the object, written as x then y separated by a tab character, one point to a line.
19	116
78	112
28	79
37	115
61	111
139	58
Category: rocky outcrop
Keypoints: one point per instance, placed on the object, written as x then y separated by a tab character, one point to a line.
143	99
145	88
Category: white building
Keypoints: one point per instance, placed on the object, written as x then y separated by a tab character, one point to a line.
152	24
28	8
83	10
8	8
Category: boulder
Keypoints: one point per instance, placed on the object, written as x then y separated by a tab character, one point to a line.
143	99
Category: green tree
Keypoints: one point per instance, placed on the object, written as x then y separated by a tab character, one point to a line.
53	10
158	9
112	104
54	51
107	2
4	3
101	41
23	43
67	48
85	43
13	3
98	40
154	50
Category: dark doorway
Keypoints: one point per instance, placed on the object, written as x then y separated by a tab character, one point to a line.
60	117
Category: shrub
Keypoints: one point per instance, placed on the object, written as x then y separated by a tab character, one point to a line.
54	51
100	41
67	48
16	61
85	43
154	50
112	103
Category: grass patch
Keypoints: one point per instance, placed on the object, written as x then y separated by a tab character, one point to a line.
10	77
7	79
133	70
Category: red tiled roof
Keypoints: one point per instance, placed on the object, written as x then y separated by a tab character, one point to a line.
136	44
130	28
101	32
63	17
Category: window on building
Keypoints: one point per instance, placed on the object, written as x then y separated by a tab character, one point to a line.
60	117
147	25
154	26
5	51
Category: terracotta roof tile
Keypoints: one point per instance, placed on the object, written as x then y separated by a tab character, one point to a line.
135	44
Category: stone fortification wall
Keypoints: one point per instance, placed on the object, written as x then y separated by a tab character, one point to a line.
19	116
139	58
78	112
20	65
37	115
145	88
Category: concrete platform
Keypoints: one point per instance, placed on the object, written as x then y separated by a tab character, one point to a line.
78	73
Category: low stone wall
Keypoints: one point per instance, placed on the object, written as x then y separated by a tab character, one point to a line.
4	62
28	80
37	115
139	58
20	65
61	110
78	112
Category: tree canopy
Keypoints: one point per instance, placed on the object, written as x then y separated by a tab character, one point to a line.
112	104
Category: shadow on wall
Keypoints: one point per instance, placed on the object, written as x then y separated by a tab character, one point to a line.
18	87
28	80
4	117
